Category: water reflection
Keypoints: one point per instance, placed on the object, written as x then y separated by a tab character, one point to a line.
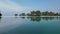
41	18
34	18
10	25
48	18
22	17
0	19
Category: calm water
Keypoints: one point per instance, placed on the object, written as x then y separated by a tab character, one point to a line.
30	25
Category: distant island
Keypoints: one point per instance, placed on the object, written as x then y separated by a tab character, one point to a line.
0	14
39	13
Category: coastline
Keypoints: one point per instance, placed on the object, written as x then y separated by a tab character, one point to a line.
29	16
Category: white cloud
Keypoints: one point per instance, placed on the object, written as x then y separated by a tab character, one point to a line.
8	5
9	8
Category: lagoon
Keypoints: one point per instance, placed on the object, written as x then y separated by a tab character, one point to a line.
30	25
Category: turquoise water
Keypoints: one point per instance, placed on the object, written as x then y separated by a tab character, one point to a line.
30	25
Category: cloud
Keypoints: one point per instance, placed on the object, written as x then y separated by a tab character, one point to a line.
8	5
9	8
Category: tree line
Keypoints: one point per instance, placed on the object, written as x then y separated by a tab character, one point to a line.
39	13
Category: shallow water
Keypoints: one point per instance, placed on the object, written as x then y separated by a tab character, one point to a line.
30	25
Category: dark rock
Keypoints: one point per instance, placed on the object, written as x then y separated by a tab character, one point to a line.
0	14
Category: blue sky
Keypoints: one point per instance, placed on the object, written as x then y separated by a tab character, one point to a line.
51	5
19	6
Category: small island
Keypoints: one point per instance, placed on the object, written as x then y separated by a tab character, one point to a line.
39	13
0	14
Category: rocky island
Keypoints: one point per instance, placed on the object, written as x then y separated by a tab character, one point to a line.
0	14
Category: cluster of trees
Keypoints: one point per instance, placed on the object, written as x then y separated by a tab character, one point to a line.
50	14
23	14
34	13
39	13
0	15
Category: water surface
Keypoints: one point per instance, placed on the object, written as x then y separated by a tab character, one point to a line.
30	25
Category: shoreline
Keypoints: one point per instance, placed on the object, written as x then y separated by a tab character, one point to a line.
29	16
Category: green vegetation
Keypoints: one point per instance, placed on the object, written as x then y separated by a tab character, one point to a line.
0	14
38	13
34	13
16	14
23	14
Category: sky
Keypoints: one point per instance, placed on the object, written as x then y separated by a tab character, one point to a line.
10	7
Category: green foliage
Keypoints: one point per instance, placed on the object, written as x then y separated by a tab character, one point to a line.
34	13
0	14
16	14
38	13
23	14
